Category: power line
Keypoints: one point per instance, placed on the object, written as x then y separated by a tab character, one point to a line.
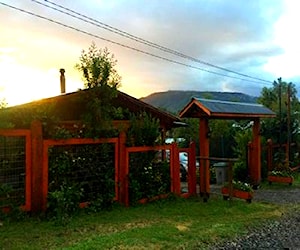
123	45
97	23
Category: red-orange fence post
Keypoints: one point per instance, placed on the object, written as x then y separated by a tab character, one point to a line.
37	198
175	169
123	170
204	135
192	177
256	156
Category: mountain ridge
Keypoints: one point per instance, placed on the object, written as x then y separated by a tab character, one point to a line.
175	100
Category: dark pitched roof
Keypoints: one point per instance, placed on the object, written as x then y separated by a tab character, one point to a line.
71	106
199	107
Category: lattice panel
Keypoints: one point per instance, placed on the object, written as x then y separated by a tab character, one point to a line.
85	168
12	170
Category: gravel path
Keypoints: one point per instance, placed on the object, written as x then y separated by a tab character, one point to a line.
280	234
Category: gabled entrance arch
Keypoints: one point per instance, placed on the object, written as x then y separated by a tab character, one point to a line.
206	109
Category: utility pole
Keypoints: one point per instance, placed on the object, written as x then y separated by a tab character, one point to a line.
279	99
288	148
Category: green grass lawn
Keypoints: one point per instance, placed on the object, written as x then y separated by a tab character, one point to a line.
166	224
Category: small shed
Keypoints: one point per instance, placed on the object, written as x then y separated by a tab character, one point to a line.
206	109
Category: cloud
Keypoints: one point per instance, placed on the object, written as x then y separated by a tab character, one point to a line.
237	35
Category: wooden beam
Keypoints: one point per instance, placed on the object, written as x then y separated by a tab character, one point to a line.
255	168
204	153
37	169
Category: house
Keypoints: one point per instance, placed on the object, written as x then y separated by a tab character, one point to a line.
69	108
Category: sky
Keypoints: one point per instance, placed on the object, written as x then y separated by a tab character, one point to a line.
254	38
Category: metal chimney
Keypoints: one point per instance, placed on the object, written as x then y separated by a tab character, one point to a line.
62	81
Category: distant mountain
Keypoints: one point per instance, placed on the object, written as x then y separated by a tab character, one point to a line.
173	101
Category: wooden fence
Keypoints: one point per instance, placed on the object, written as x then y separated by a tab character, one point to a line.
36	164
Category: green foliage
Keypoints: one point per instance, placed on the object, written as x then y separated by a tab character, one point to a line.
281	173
64	202
221	135
144	130
80	174
100	113
100	76
240	170
9	207
276	129
189	133
242	138
4	123
21	117
97	67
240	185
147	178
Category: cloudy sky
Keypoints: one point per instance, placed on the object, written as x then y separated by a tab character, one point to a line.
254	38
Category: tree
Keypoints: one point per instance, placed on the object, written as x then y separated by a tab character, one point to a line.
279	129
3	103
98	69
275	98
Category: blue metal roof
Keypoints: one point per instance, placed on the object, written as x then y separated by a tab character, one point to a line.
216	106
199	107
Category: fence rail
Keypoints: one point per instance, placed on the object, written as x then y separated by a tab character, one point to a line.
35	163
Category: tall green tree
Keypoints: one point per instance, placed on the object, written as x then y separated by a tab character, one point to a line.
100	76
276	98
98	68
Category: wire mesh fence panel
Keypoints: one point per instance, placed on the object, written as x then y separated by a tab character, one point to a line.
12	170
83	173
149	174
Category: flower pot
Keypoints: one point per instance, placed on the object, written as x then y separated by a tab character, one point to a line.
5	209
154	198
238	194
281	179
143	201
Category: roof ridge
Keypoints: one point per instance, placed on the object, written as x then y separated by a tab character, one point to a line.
228	102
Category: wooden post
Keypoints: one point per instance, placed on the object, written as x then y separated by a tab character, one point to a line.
37	198
204	153
175	169
230	180
288	146
192	181
123	170
256	156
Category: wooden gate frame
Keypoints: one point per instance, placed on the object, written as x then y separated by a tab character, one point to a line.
75	141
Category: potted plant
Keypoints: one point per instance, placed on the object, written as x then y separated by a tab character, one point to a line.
240	190
280	177
281	174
